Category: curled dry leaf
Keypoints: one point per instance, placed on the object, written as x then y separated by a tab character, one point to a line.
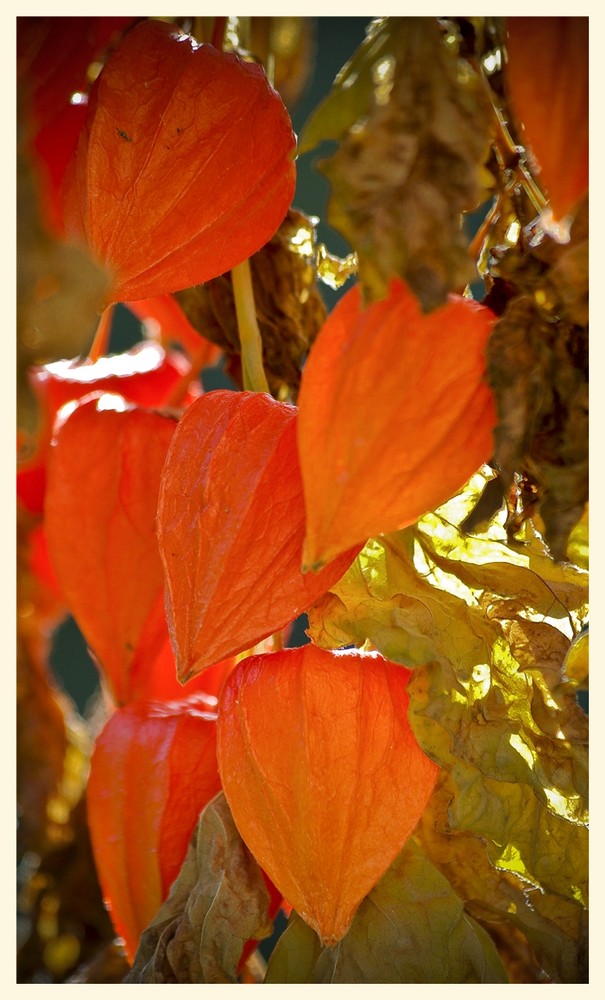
153	770
326	796
413	122
231	526
289	307
218	902
541	937
547	83
394	415
184	167
100	520
538	370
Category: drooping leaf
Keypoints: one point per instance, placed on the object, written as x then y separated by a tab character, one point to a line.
218	902
326	795
294	958
153	770
538	370
100	521
413	123
489	627
547	83
184	167
541	937
394	417
231	527
289	308
411	928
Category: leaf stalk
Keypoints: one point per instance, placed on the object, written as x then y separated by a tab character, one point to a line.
253	372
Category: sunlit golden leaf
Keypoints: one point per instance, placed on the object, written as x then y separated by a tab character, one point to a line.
490	628
554	929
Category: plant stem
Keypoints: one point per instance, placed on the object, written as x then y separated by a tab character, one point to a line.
100	343
253	372
510	151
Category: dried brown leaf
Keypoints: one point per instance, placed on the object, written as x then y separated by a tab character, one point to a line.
538	371
289	308
218	902
410	162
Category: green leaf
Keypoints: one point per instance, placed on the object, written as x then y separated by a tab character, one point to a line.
218	902
411	928
295	955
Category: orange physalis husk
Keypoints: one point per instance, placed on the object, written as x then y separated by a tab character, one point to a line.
146	375
53	58
170	322
100	521
394	415
231	527
152	772
547	83
185	165
155	679
322	773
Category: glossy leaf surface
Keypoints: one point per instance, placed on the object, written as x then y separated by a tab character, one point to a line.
547	79
184	167
326	796
100	515
152	772
395	415
231	527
